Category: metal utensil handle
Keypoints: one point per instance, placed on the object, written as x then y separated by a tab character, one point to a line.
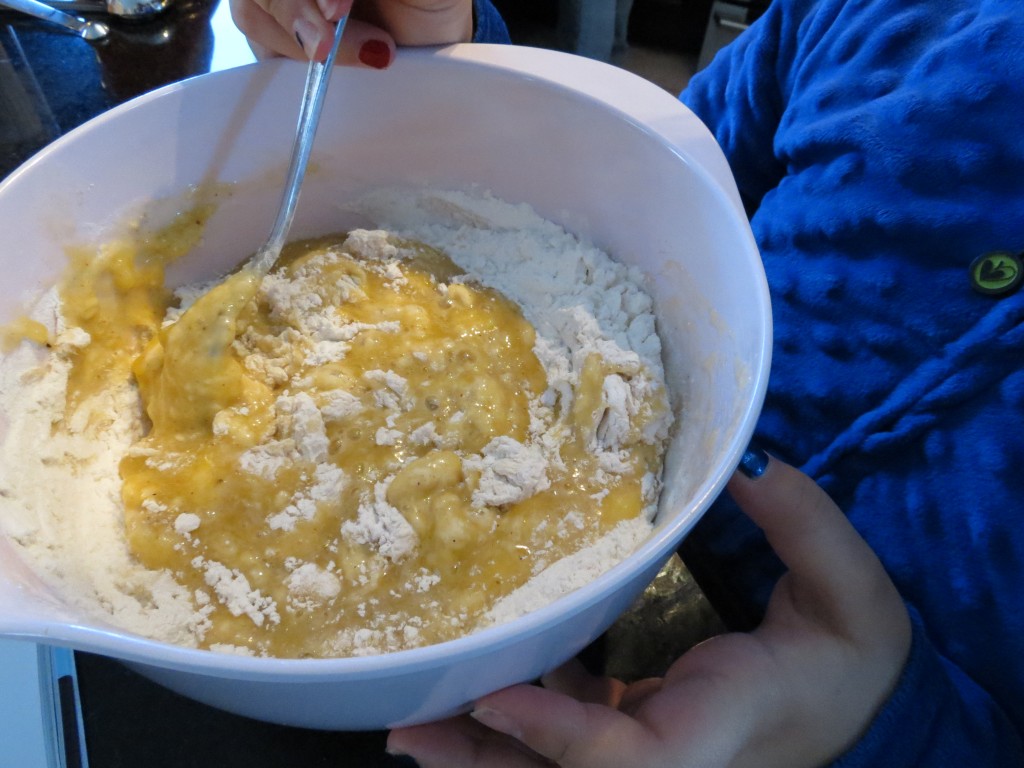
122	9
46	13
317	77
78	6
726	23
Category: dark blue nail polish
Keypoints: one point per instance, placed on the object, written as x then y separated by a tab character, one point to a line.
754	462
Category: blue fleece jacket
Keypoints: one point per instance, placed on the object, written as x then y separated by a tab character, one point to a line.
878	146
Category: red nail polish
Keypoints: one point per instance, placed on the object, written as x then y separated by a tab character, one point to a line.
375	53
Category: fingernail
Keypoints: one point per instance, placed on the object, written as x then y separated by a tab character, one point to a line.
754	462
497	721
375	53
308	35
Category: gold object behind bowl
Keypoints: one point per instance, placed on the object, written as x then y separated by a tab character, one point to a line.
601	152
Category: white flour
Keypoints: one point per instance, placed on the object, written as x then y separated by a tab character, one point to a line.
60	500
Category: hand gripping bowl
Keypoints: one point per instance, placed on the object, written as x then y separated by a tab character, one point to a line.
609	156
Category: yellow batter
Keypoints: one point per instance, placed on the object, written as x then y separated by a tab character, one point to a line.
345	459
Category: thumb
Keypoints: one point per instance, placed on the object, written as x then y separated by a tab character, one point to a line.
571	733
804	526
816	542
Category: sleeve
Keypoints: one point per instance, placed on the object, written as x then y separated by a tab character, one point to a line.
740	96
936	716
488	26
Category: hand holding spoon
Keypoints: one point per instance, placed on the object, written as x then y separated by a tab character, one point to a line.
317	77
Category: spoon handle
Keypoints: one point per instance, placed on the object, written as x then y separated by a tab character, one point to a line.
86	29
78	6
123	9
317	77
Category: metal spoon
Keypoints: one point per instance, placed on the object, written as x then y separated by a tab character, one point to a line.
317	77
123	9
87	30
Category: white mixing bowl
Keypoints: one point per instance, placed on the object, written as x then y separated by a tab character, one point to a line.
609	156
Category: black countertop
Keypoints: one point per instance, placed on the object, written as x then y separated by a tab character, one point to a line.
52	81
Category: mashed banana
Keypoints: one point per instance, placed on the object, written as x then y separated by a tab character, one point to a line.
368	449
